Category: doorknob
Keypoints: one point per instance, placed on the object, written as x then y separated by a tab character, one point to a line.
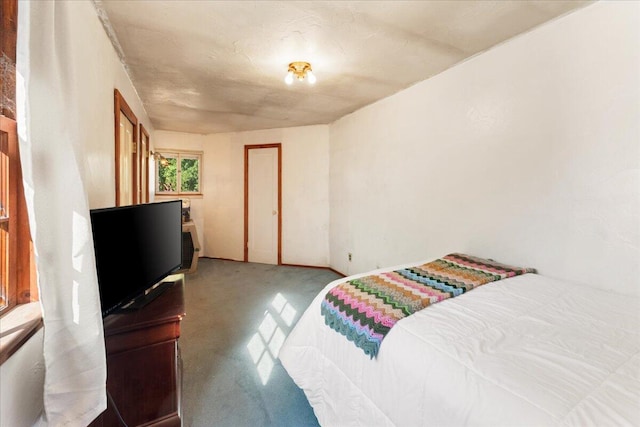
274	212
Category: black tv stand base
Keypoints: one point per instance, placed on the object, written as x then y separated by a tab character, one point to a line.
149	296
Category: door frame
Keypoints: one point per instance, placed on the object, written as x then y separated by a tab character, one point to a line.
121	106
145	143
246	197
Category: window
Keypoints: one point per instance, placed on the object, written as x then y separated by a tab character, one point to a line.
178	173
17	265
7	218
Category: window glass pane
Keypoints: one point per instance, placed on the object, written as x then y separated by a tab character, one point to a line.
167	173
190	173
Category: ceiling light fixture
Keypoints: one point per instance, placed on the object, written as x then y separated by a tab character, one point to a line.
300	70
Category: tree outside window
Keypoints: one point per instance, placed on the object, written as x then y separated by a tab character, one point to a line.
179	173
190	175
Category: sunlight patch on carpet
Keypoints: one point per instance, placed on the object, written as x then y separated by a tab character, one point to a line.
264	346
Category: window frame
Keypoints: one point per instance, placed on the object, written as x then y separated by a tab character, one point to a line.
18	270
178	155
9	219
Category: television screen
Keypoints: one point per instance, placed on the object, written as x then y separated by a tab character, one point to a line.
135	247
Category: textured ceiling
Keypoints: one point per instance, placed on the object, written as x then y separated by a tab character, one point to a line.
218	66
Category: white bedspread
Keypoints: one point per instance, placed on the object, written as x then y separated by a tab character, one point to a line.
528	350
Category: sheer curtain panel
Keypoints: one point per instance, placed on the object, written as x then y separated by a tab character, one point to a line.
51	138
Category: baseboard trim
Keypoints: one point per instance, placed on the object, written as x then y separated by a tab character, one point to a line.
315	266
222	259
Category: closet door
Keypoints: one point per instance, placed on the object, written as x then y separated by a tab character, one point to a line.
262	204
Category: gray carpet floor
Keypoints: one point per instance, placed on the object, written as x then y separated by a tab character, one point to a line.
237	315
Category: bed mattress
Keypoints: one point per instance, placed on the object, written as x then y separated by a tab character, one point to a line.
527	350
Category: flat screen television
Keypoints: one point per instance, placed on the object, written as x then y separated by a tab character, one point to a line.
135	247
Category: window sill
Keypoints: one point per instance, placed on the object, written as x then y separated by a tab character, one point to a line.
179	195
17	326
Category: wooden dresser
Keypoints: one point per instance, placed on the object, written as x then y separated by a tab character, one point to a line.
143	362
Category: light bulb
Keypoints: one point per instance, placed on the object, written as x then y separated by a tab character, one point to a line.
289	78
311	77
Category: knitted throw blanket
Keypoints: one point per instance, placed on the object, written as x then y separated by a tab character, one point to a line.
365	309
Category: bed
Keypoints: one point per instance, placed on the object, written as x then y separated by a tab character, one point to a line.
525	350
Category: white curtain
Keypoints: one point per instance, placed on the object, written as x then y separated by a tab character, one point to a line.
51	147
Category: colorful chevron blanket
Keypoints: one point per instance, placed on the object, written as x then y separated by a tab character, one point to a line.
365	309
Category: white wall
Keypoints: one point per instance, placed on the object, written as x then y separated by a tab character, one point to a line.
305	190
21	386
528	154
96	72
88	76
